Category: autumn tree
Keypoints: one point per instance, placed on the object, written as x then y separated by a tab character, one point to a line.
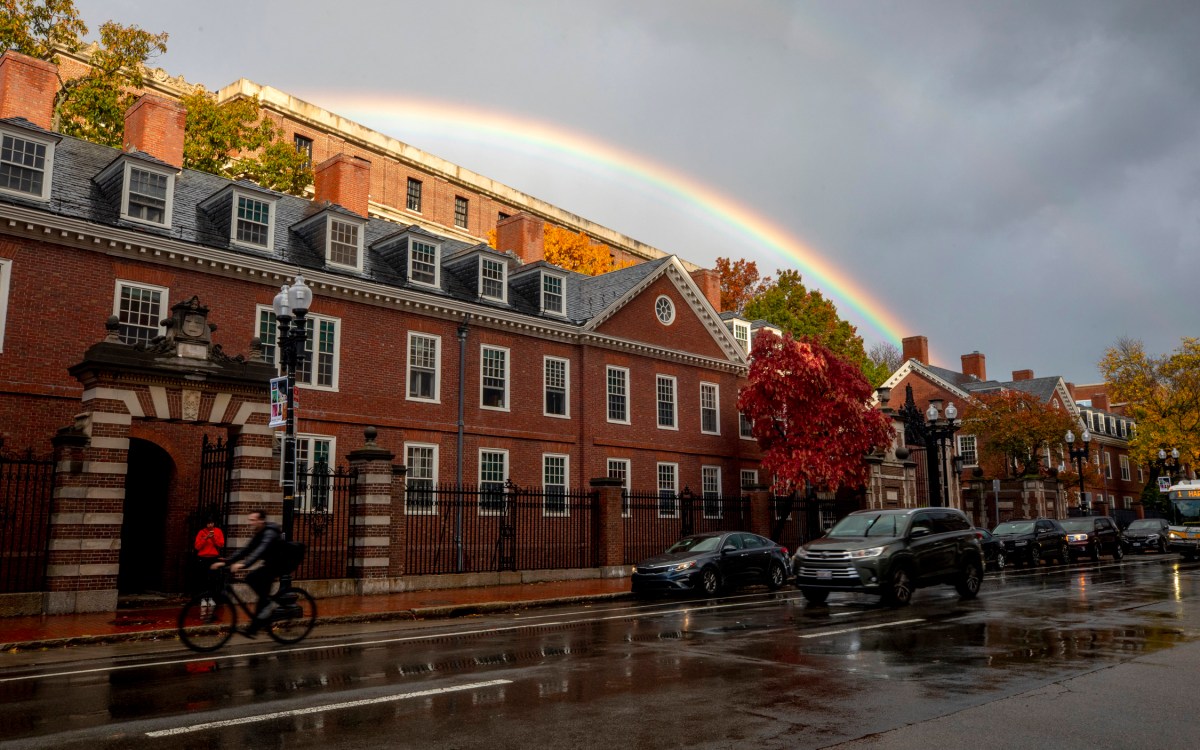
810	412
740	282
886	356
1161	394
575	251
1014	429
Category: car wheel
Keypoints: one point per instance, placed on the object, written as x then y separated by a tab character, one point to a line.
1162	546
1118	552
814	596
775	576
900	588
969	580
710	582
1064	555
1096	552
1000	560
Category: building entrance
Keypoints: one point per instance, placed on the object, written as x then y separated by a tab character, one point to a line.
144	527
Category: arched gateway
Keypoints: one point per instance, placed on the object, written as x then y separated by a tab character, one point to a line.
135	447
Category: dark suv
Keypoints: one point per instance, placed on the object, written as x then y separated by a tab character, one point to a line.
1029	541
1093	536
891	553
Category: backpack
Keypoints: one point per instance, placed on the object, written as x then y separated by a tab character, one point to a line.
290	555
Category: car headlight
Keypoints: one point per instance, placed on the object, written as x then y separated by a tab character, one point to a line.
1174	535
685	565
801	553
861	553
1077	537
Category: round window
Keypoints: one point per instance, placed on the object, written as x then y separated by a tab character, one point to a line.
664	308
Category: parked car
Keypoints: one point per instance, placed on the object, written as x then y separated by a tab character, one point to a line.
1093	536
707	563
1029	541
891	553
1147	535
994	555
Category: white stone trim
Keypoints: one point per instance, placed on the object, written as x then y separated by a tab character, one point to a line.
107	417
220	405
369	562
253	451
78	571
266	474
248	409
85	544
114	394
370	541
105	467
162	407
115	443
91	493
370	520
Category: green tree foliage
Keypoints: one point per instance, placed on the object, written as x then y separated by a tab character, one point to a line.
1014	430
39	27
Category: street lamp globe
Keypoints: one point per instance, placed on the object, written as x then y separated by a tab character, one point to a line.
281	305
299	296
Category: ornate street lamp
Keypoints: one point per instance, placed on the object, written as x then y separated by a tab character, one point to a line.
1169	462
941	431
291	306
931	430
1079	455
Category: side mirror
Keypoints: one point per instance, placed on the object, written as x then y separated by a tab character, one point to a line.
728	548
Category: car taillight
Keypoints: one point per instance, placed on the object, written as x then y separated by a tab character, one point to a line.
785	551
978	535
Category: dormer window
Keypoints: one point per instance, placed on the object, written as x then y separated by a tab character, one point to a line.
423	266
25	165
147	194
493	276
344	244
554	297
741	332
253	221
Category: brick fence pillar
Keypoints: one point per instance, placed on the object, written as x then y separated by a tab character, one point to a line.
609	524
399	528
371	509
760	511
254	473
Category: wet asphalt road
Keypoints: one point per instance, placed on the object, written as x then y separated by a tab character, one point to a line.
751	669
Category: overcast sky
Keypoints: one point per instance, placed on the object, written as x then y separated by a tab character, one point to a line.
1017	178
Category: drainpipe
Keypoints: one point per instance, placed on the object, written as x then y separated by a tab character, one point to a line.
458	473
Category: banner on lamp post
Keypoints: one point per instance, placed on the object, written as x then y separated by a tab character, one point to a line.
278	402
1164	484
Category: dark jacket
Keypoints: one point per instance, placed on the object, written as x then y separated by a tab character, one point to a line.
265	546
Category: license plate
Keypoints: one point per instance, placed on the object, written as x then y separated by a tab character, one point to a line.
1021	544
1137	544
824	574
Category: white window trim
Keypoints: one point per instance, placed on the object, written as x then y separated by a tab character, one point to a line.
744	340
1108	472
306	437
126	173
749	423
337	352
658	489
507	377
566	387
566	486
479	478
437	264
562	280
958	448
674	402
607	369
163	305
432	510
437	368
705	498
719	479
1124	461
503	279
670	307
626	511
5	282
48	170
233	221
358	253
716	407
742	478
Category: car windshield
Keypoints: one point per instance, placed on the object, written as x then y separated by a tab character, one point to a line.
1078	524
695	544
870	524
1147	524
1014	527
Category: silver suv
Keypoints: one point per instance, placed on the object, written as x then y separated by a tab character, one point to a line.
891	553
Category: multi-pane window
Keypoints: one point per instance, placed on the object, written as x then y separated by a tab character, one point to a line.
304	146
741	332
1111	424
423	263
140	308
1124	468
665	395
1107	465
745	427
146	196
618	468
494	378
749	478
968	450
710	488
552	294
618	394
24	165
554	484
491	279
668	482
343	243
252	225
493	470
709	422
1141	474
1121	427
314	474
414	195
318	367
5	275
421	461
423	354
460	211
557	379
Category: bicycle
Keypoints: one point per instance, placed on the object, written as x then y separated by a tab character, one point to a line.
203	627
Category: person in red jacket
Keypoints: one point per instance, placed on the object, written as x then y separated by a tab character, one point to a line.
210	541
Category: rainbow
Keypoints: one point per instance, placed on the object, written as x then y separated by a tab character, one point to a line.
455	121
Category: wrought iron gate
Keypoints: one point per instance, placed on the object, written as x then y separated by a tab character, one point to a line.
212	497
26	491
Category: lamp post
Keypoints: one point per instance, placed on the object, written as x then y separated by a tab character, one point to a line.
940	431
930	430
1168	461
291	306
1079	455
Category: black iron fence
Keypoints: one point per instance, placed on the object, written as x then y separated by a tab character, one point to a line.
788	522
493	527
26	491
212	497
655	520
322	520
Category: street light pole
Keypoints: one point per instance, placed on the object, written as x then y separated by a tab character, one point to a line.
291	307
939	432
1079	455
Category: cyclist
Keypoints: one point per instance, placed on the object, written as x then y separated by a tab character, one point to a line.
266	546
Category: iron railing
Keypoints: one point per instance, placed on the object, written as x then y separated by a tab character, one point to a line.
26	492
321	521
655	520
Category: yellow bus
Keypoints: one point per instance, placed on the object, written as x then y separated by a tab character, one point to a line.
1184	534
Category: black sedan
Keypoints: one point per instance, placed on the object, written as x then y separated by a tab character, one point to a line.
707	563
994	555
1147	535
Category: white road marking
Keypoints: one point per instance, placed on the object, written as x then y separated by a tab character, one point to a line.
321	709
864	627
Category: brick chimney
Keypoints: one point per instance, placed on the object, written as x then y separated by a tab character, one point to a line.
27	88
344	180
916	347
1100	401
154	125
974	365
1022	375
522	235
709	282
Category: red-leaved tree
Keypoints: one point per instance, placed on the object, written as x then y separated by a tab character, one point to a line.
811	414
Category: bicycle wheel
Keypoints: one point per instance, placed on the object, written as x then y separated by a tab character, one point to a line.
293	621
203	628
